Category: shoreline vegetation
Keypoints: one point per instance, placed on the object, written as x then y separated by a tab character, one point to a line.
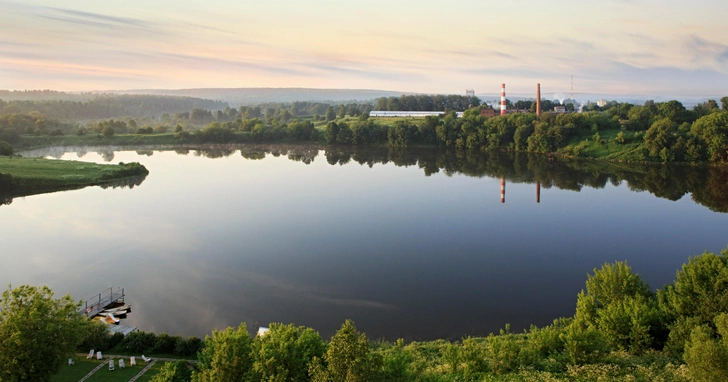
30	176
705	185
621	330
664	132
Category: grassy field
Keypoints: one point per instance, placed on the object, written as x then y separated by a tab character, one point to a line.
75	372
151	372
118	374
607	148
28	176
83	366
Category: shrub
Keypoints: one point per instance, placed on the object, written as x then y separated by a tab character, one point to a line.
139	342
348	358
285	353
6	149
706	357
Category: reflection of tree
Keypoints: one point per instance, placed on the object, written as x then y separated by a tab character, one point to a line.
124	183
182	151
107	155
215	152
145	152
709	186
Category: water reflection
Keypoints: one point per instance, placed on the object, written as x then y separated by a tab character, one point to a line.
8	191
708	186
316	235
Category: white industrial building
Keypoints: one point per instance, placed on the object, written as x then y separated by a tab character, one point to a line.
409	114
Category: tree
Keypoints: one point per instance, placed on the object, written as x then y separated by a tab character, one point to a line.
330	132
713	130
659	136
6	149
699	289
38	333
108	131
173	372
347	358
618	303
285	353
330	113
225	356
724	103
706	356
342	111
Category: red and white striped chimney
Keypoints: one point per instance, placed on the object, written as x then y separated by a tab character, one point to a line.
503	99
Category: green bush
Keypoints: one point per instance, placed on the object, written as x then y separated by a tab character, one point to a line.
6	149
285	353
173	372
139	342
700	290
706	357
348	358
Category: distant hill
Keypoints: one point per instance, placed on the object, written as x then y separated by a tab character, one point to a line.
251	96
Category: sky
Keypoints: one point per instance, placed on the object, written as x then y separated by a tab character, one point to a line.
621	47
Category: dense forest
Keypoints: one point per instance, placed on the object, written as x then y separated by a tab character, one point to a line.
621	330
107	106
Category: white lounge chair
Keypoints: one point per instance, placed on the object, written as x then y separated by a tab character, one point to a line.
121	364
70	361
111	364
132	361
90	354
146	359
99	356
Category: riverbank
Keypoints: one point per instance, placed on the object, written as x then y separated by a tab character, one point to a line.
29	176
613	145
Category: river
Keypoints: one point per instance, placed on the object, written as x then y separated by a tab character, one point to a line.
412	243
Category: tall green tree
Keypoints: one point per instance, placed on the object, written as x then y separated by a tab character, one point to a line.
285	353
330	113
348	358
38	333
342	111
226	356
173	372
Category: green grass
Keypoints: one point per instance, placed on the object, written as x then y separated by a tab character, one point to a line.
32	175
154	370
75	372
119	374
607	148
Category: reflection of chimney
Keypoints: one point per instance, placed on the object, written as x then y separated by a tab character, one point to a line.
538	192
503	189
503	99
538	100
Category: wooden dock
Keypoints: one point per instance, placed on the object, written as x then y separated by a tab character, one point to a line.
109	298
96	304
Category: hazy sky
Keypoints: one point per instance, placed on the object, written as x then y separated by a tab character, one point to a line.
646	47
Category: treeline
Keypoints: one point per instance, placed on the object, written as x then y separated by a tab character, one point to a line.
425	102
109	106
621	330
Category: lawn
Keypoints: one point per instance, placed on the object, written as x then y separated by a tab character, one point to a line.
151	372
28	176
118	374
75	372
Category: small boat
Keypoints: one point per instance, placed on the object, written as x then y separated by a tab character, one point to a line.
108	319
116	312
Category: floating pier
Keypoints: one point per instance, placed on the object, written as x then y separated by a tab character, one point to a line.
107	299
96	304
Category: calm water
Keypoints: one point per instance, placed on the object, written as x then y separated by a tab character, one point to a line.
412	244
